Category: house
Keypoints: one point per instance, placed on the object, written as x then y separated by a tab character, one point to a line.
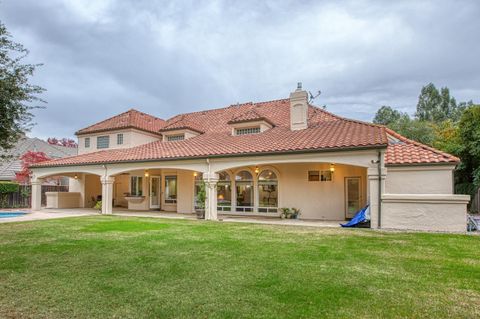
13	163
257	157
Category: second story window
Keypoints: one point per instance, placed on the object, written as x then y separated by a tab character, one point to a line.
247	130
87	142
119	139
178	137
103	141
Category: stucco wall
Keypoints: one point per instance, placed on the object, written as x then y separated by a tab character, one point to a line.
62	199
131	138
185	182
317	200
121	186
93	188
419	180
424	212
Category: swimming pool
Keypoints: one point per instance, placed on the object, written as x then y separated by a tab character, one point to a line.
11	214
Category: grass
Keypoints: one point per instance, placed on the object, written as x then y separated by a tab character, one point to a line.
119	267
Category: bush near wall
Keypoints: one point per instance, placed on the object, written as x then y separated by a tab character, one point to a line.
9	187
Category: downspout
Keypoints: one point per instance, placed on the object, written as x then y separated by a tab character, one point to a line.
379	190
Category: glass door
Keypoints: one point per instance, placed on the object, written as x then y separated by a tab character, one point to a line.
353	196
155	192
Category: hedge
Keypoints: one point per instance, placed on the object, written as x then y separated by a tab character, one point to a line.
8	187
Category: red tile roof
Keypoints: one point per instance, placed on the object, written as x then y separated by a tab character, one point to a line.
403	151
325	131
249	116
181	123
130	119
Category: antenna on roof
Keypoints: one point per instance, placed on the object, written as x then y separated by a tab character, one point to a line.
312	97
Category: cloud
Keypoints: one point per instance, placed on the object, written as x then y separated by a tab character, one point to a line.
103	57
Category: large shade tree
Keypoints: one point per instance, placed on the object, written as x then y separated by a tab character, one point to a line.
17	93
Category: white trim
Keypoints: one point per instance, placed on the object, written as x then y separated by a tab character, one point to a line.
426	198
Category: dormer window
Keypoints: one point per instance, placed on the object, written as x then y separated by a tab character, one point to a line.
249	123
247	130
176	137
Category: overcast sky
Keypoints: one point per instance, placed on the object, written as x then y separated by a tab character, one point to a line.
104	57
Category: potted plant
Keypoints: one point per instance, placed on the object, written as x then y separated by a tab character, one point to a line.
295	213
201	198
98	205
285	212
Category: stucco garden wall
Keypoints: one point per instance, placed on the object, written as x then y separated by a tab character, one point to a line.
424	212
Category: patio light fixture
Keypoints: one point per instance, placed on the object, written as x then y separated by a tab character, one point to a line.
195	174
146	174
332	167
75	176
257	170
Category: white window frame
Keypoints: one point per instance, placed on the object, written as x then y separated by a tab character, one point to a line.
138	185
267	209
176	137
120	139
87	142
100	145
247	130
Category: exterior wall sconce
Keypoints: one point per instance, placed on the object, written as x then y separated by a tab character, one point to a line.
147	174
332	167
257	170
195	174
75	176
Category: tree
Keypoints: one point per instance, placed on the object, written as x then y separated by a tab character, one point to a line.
437	106
16	92
386	115
469	135
28	159
414	129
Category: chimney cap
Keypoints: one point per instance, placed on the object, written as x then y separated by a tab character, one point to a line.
299	85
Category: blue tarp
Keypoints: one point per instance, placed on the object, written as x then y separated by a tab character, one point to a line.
361	216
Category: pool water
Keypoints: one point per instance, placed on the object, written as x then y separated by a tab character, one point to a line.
11	214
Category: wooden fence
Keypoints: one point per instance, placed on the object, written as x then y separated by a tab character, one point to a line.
23	198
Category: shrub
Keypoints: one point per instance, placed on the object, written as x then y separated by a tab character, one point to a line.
8	187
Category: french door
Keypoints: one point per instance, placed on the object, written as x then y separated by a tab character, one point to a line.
155	192
353	196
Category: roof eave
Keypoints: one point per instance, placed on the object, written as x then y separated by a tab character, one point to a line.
79	133
305	151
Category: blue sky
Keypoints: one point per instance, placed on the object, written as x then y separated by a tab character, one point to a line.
167	57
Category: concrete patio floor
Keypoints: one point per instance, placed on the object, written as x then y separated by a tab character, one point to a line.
50	213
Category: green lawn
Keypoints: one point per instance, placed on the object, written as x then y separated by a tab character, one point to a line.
114	267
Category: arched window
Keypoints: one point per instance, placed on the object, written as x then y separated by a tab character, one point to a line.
224	192
244	191
267	192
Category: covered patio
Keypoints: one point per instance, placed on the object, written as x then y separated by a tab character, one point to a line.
329	186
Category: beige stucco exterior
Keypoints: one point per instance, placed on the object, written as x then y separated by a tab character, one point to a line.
431	212
322	200
433	179
131	138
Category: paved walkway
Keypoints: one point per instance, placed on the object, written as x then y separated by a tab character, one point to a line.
75	212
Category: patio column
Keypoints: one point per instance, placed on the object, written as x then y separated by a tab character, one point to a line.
36	194
373	194
107	194
211	181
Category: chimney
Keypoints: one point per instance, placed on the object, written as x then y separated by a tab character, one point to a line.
298	108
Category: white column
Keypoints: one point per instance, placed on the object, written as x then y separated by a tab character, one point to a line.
211	181
373	195
107	194
36	194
